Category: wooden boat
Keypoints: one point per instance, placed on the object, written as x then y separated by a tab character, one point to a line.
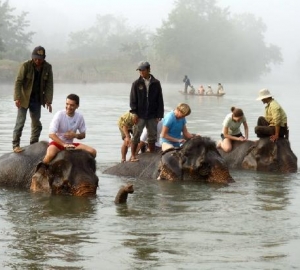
197	94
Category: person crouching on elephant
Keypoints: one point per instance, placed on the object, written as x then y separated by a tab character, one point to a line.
174	131
63	130
231	129
125	123
274	124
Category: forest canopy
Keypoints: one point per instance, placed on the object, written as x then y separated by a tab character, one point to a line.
198	38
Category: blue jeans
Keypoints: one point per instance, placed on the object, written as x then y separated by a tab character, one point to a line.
36	125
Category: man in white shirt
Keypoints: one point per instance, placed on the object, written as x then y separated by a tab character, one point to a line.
65	126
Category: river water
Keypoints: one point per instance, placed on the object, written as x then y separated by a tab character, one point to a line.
253	223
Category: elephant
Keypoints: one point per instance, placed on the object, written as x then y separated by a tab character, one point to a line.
197	160
71	172
262	155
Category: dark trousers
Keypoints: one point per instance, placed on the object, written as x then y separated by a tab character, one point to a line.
36	125
264	130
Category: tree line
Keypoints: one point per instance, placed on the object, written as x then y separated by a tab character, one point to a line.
198	38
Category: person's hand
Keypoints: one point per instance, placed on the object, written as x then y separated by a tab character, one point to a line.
70	135
181	141
18	103
274	138
242	138
127	141
49	107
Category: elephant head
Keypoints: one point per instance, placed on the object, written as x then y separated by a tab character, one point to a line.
197	160
70	172
270	156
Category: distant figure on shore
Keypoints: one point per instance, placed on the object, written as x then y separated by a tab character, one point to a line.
187	83
220	89
201	90
209	91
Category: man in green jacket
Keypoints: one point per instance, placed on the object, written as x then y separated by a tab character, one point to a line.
33	89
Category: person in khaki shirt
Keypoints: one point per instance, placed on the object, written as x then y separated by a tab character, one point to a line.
274	123
125	123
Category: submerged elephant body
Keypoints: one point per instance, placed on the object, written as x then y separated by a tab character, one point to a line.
262	155
70	172
197	160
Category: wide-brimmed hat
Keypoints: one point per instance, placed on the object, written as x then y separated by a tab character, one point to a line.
143	65
264	93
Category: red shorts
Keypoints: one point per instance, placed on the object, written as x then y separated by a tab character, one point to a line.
60	147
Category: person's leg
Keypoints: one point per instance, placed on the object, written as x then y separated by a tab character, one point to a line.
137	131
124	150
226	145
20	121
52	151
165	146
151	126
262	121
264	131
36	125
87	148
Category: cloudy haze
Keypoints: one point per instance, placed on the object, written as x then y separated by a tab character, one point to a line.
54	20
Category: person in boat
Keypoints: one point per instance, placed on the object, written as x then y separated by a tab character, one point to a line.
192	91
187	83
209	91
220	89
231	129
201	90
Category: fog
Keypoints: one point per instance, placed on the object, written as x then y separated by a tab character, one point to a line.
54	20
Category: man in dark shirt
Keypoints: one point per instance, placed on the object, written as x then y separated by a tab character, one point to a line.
147	106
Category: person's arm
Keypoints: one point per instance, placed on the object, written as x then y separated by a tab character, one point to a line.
127	138
233	138
186	134
276	116
246	130
18	86
48	96
164	134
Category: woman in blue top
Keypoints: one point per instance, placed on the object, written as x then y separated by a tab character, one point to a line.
231	129
174	131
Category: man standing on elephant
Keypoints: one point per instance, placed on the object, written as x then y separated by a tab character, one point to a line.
33	89
147	106
274	124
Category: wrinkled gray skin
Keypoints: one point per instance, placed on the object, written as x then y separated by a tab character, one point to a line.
262	155
197	160
71	172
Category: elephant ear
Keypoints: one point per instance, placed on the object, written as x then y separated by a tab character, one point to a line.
170	167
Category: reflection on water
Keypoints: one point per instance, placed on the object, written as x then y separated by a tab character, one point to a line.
250	224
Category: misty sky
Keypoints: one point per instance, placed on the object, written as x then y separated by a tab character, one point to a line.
54	20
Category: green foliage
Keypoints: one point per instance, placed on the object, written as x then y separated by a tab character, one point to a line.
204	41
13	36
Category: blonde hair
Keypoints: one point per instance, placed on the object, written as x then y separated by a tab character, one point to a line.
184	109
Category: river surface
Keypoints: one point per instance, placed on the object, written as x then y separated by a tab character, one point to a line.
253	223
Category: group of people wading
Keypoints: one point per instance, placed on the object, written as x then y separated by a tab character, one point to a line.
144	124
